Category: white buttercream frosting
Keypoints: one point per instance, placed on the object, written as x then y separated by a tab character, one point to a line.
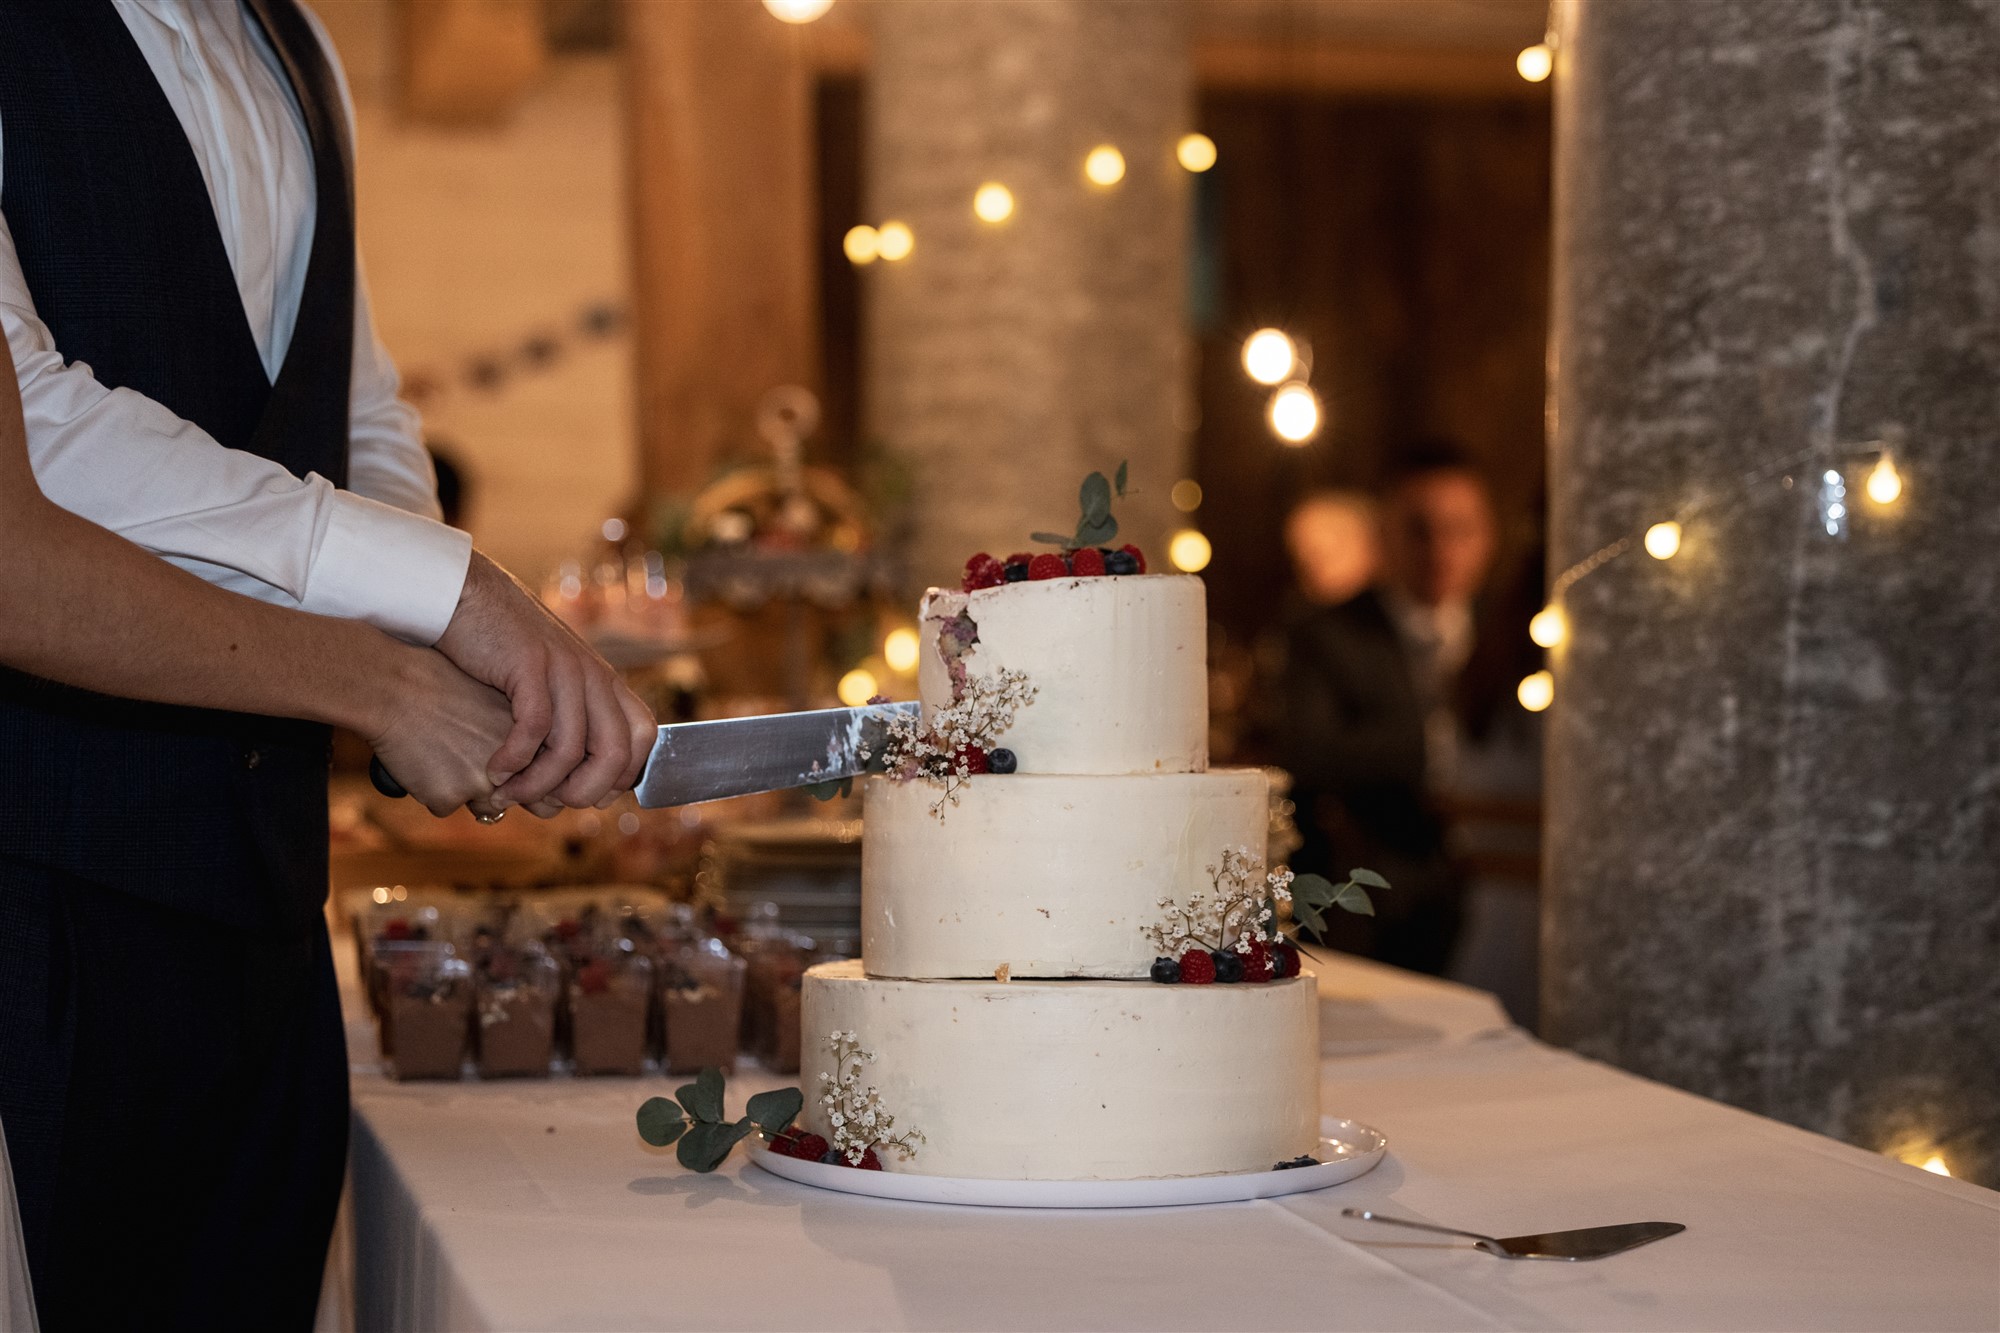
1048	875
1120	666
1076	1080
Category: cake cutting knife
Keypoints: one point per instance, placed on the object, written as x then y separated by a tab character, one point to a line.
738	756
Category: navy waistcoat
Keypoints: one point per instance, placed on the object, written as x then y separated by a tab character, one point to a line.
218	813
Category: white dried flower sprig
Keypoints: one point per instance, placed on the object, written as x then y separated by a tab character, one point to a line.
1241	910
934	748
855	1114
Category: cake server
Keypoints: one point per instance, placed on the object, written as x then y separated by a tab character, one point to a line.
708	761
1582	1243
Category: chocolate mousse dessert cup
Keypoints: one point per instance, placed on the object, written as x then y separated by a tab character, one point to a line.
610	1004
425	1010
701	998
514	1026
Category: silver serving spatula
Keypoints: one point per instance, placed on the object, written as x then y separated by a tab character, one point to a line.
707	761
1582	1243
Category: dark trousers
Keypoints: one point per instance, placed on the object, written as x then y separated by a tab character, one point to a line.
174	1095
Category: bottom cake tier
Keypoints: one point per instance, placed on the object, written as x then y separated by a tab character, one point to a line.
1065	1080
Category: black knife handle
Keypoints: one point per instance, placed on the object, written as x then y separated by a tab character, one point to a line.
385	782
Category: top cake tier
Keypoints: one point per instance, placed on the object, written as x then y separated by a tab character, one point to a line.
1119	665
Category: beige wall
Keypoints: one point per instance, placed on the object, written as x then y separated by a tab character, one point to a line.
476	239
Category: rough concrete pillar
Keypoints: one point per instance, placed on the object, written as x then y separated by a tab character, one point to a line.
1007	361
1773	824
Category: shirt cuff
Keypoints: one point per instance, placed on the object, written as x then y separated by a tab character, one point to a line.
398	572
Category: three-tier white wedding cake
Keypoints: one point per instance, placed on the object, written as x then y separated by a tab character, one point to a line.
1070	969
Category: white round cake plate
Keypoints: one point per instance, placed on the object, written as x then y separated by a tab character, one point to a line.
1346	1150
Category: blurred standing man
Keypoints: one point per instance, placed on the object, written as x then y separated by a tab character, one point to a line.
199	373
1368	714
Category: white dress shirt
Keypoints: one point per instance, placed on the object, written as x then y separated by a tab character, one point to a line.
374	552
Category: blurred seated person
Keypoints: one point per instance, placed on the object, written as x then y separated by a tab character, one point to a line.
1367	709
1330	536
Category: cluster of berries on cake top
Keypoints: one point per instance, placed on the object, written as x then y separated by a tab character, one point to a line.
1263	960
983	571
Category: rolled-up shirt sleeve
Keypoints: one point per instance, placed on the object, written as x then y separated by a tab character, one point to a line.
125	462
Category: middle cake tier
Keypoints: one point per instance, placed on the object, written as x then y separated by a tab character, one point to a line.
1045	875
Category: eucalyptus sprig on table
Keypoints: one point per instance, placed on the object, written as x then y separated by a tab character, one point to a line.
1314	895
1095	526
692	1118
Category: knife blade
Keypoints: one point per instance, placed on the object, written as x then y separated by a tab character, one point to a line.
708	761
739	756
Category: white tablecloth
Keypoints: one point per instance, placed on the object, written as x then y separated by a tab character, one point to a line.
535	1206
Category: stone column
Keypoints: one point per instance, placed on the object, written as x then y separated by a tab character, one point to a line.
1005	362
1774	801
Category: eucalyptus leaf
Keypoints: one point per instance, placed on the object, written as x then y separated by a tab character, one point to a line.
1353	898
1049	538
1096	497
830	789
1098	533
660	1121
1368	877
775	1111
705	1145
1308	915
703	1097
1120	481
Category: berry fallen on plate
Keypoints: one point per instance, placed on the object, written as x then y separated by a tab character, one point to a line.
1120	563
1228	966
983	571
1138	557
797	1143
1287	959
1088	562
1001	761
972	759
1197	968
594	977
1015	571
1257	964
1295	1163
1046	566
869	1161
1166	971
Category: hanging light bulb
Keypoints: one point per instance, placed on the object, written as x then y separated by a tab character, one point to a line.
798	11
1536	62
1268	356
1294	413
1663	540
857	687
1104	166
1536	692
1549	627
1189	551
861	245
1196	152
900	649
993	202
1885	484
894	241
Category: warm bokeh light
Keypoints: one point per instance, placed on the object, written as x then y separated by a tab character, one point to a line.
899	650
1935	1165
993	202
857	687
1663	540
381	894
798	11
894	241
1196	152
613	529
1105	165
1549	627
1535	62
1536	692
1294	413
862	244
1884	484
1186	495
1268	356
1189	551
